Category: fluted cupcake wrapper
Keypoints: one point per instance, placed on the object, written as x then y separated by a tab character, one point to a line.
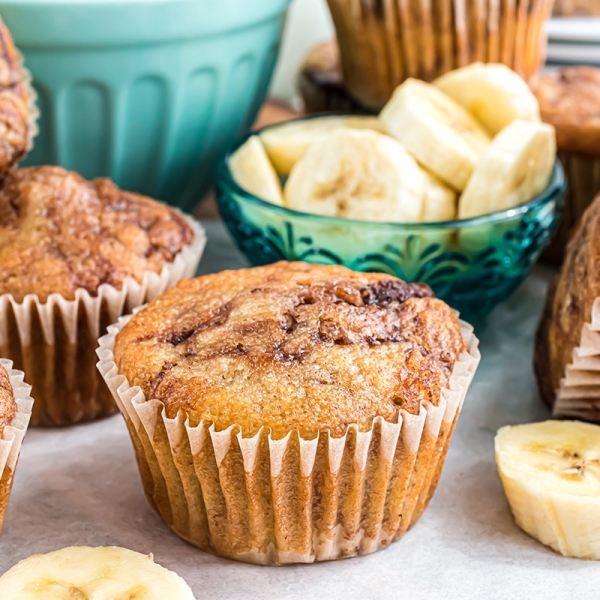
579	392
583	176
383	43
289	500
13	434
55	342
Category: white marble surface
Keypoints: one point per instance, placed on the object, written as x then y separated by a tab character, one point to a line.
81	486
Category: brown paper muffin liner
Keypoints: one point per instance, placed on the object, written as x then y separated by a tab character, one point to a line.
583	177
55	342
383	43
289	500
579	392
13	434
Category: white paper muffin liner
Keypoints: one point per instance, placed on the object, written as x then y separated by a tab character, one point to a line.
289	500
13	434
579	392
55	342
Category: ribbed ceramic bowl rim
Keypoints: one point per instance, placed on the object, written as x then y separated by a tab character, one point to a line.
555	187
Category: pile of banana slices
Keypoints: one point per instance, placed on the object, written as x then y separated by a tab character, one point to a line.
469	144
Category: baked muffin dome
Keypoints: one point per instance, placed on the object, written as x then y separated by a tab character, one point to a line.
8	406
60	233
14	113
570	100
291	346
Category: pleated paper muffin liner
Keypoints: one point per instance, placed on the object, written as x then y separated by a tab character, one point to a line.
579	392
384	43
289	500
583	175
54	342
13	434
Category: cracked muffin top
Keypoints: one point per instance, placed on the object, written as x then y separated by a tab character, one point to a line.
291	346
8	406
14	114
570	100
60	233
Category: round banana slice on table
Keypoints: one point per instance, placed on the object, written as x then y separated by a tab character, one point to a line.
81	573
252	170
494	94
551	477
436	130
358	175
515	169
286	144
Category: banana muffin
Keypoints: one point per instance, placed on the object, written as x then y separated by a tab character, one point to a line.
15	411
570	101
16	115
298	367
75	255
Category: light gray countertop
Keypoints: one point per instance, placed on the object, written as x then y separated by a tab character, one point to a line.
80	486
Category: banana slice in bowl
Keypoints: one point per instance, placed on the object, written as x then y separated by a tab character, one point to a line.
493	93
436	130
82	573
551	477
361	175
252	170
515	169
287	144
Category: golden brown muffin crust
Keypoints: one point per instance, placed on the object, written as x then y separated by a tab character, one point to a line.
59	233
292	346
14	126
570	100
8	406
569	304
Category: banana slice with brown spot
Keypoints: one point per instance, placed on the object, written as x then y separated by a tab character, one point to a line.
551	477
286	144
358	175
82	573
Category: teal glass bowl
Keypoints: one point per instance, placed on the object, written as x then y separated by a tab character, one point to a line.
147	92
473	264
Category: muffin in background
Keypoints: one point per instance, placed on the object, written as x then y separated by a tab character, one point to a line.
18	112
76	255
15	412
570	100
293	412
384	43
567	344
320	81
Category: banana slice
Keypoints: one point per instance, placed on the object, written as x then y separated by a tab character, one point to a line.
436	130
494	94
551	477
288	143
358	175
252	170
81	573
440	201
515	169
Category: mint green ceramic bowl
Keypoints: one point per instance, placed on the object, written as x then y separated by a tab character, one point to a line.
147	92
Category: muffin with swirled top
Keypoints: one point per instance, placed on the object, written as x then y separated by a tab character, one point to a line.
17	104
75	255
295	408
